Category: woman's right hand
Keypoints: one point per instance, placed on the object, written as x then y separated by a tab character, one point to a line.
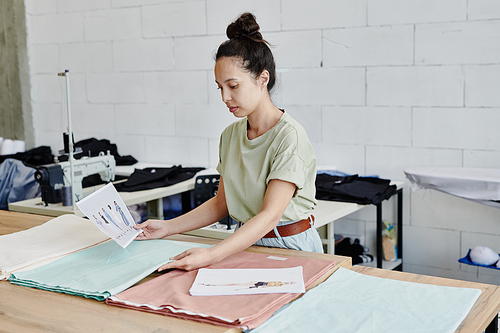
152	229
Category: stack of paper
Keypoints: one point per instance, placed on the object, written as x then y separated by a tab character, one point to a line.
103	270
169	294
47	242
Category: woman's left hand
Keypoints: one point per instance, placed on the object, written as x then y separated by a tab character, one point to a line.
191	259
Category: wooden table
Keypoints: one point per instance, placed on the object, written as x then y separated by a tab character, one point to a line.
26	309
483	315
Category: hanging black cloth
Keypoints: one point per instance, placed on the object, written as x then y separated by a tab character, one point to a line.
92	147
33	157
149	178
361	190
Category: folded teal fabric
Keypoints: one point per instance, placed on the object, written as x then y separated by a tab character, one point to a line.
103	270
352	302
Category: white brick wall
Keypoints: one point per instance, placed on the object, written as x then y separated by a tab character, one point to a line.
341	122
174	19
203	59
393	12
483	9
296	49
86	57
113	24
188	87
459	128
390	162
415	86
143	55
457	43
222	12
481	159
137	119
44	58
211	121
379	85
312	86
320	14
115	88
177	150
425	248
55	28
368	46
482	86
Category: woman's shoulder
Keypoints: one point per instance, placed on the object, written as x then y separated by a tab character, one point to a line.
290	126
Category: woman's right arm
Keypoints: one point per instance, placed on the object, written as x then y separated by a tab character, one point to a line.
209	212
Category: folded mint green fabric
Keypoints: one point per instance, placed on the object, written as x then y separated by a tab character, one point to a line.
103	270
352	302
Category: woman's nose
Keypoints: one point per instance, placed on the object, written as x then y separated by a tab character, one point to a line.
226	96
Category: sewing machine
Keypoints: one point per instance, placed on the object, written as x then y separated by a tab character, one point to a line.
62	181
53	177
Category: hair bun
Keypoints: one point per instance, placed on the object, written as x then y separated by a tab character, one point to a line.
245	26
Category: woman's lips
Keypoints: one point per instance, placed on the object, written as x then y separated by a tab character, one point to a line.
232	109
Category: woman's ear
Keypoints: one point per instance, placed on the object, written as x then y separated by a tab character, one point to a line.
264	78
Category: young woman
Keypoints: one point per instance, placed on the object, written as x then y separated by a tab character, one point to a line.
266	162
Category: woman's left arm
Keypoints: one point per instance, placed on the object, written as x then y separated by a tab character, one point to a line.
276	200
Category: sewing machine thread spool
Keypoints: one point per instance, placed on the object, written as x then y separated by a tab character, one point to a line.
66	196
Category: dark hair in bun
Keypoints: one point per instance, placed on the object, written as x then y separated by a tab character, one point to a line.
246	43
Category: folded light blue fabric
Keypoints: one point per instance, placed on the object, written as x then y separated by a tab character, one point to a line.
352	302
103	270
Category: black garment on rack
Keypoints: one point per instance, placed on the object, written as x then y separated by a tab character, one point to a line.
149	178
361	190
92	147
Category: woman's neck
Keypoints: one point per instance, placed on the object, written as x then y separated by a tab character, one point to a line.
262	120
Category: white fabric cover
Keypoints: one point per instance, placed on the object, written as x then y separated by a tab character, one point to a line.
45	243
478	184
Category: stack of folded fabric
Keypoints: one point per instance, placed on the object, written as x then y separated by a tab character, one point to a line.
169	294
373	304
47	242
103	270
361	190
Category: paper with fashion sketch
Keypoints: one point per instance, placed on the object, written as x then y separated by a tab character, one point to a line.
106	209
217	282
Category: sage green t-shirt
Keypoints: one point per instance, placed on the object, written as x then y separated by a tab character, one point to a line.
246	166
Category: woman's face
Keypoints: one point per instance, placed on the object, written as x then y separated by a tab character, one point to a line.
240	91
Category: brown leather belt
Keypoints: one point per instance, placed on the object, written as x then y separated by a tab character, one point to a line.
291	229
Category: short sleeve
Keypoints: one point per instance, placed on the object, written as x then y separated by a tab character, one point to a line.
288	164
289	168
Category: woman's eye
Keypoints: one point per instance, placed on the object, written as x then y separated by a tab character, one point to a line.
233	87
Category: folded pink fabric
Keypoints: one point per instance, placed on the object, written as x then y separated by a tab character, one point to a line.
169	294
